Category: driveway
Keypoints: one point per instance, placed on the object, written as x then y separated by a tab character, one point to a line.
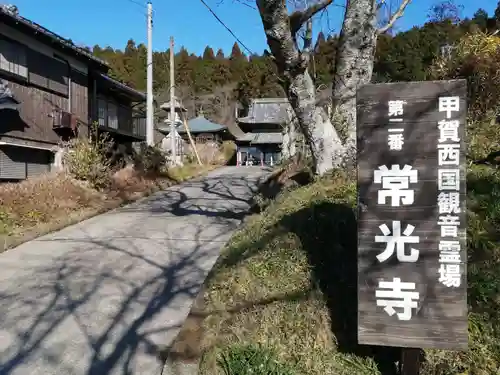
106	295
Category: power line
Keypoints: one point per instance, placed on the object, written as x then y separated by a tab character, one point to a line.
143	6
137	3
226	27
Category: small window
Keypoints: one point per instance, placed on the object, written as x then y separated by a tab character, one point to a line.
13	58
139	126
112	115
102	107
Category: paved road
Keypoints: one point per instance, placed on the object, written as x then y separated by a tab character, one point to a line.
103	296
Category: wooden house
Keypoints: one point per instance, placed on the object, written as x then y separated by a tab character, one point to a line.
51	91
264	128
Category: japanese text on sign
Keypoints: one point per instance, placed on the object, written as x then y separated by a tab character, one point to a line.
448	198
396	188
395	138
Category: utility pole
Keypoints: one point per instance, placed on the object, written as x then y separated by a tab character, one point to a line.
173	138
149	101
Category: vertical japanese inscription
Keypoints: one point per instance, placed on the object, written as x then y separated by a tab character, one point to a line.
410	231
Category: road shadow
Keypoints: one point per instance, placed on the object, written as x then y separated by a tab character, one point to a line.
328	233
100	297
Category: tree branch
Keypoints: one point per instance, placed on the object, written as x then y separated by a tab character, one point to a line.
306	51
298	18
394	17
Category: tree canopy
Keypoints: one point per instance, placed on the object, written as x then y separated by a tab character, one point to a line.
406	56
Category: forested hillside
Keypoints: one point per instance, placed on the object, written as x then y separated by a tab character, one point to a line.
214	82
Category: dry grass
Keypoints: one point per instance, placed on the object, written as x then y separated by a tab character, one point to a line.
53	201
287	281
212	153
266	270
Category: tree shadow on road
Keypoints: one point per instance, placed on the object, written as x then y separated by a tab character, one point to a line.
328	233
125	294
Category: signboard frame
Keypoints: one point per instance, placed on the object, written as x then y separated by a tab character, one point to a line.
411	224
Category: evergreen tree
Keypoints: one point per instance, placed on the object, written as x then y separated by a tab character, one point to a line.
208	54
320	40
497	14
220	54
403	57
236	53
480	18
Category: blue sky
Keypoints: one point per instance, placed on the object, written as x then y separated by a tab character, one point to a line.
113	22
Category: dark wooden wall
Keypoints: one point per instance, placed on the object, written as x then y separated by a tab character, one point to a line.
45	90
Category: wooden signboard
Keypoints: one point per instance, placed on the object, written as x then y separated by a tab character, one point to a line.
412	286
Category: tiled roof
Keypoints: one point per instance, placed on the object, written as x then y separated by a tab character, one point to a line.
268	138
201	125
138	95
177	103
262	138
268	110
246	137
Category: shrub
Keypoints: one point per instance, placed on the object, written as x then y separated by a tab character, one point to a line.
228	149
483	138
86	160
476	58
149	159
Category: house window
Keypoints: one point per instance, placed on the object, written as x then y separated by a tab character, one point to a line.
102	109
139	126
112	115
48	73
13	58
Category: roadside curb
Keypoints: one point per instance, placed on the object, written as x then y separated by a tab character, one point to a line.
184	354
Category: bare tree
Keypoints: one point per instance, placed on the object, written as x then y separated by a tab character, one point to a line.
355	57
353	67
282	31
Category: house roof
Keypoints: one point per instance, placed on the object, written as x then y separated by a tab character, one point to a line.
10	15
177	103
201	125
135	94
267	138
262	138
267	110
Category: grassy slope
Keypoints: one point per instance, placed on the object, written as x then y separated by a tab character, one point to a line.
288	281
50	202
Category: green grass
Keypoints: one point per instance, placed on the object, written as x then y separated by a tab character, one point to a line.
266	291
251	360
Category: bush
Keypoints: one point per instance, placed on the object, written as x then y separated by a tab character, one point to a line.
251	360
483	138
228	149
149	159
86	160
476	58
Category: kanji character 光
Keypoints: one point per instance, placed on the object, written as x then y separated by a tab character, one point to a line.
396	241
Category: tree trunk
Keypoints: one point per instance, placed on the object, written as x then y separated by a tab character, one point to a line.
321	137
323	141
353	64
